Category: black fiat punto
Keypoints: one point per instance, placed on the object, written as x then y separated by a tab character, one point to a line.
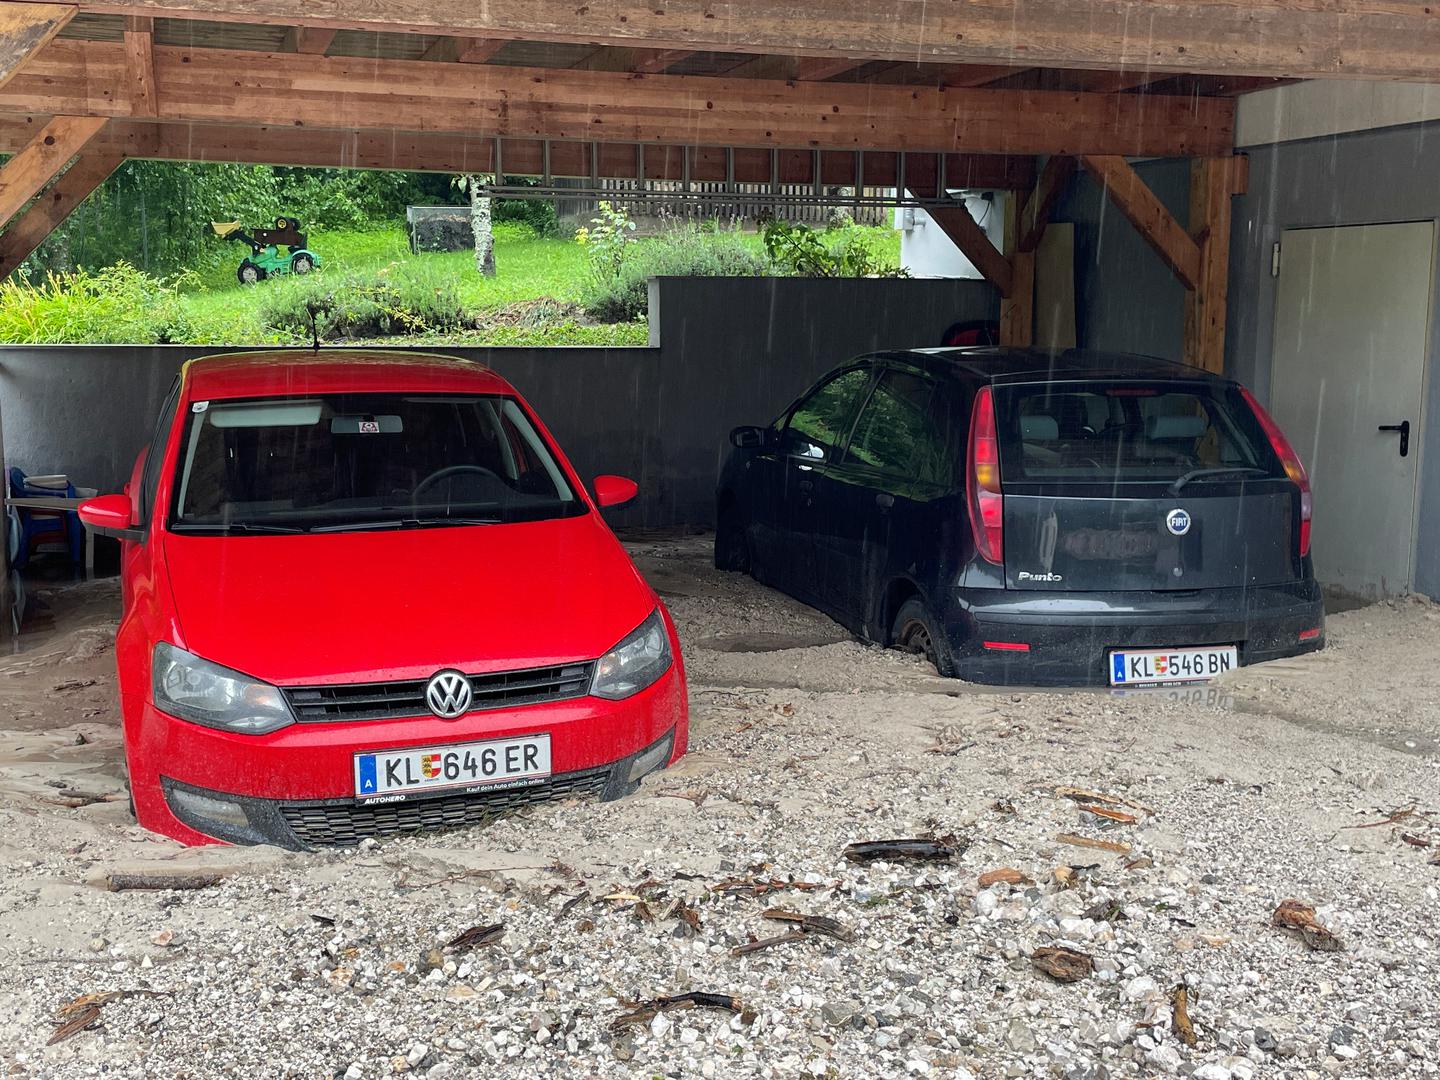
1029	517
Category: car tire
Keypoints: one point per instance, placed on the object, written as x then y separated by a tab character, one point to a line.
302	264
249	273
917	631
732	545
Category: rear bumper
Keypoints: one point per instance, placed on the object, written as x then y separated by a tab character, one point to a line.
1070	634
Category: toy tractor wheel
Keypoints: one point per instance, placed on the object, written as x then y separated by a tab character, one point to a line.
249	273
302	264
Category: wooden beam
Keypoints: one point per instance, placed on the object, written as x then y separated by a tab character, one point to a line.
25	29
1048	190
310	40
1360	39
223	86
139	40
1112	82
1212	184
1017	307
967	235
38	162
30	229
1148	214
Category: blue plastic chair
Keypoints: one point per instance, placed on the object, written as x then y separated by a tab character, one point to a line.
45	526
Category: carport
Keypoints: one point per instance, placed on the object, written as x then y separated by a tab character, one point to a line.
925	99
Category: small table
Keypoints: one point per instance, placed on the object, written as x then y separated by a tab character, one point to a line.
57	502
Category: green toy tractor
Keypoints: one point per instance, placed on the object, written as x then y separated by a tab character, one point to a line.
265	258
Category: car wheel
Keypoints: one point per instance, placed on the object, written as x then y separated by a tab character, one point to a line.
917	631
302	264
732	546
249	273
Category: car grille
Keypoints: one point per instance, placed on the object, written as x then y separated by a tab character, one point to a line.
345	824
389	700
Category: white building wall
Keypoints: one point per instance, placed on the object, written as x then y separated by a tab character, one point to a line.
927	252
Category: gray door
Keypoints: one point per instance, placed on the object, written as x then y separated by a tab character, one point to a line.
1352	332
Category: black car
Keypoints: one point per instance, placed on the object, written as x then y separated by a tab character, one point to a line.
1021	516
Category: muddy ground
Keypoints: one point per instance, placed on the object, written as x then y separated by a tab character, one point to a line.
1316	779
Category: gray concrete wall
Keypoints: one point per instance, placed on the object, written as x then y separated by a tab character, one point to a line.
1126	299
1356	179
727	352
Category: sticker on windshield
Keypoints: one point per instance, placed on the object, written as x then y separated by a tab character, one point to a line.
199	406
369	427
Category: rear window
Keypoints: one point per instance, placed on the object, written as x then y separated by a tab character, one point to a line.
1109	433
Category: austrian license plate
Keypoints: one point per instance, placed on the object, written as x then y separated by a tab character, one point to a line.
497	763
1153	667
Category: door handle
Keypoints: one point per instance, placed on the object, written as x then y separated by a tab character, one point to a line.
884	500
1404	429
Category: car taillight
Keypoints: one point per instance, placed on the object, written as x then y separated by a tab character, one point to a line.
1290	460
982	481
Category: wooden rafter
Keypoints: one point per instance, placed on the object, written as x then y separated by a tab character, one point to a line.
223	86
1048	190
1362	39
24	30
40	219
41	159
967	235
1133	198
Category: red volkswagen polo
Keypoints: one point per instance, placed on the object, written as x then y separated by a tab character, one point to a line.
365	594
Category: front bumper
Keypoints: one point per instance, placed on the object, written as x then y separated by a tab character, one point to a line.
295	787
1070	634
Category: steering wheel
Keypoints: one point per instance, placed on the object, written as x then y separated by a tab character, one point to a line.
446	473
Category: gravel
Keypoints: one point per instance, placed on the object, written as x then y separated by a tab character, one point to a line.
333	964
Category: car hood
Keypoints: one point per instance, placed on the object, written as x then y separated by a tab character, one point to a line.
370	607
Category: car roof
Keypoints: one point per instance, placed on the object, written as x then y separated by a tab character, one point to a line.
282	372
1007	364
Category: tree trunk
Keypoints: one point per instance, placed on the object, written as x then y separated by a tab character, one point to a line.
480	224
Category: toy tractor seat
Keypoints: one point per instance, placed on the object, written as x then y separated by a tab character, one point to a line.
265	256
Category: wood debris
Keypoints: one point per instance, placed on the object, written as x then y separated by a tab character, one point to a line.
759	886
1007	874
1084	795
766	943
475	937
75	1016
812	924
940	849
1117	816
642	1012
1394	819
1180	999
122	881
1077	840
1300	917
1062	964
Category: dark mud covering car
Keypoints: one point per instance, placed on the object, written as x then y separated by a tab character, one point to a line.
1030	517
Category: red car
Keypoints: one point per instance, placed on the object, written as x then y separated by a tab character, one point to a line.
365	593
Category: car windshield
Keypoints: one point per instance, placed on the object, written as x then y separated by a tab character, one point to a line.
362	461
1124	432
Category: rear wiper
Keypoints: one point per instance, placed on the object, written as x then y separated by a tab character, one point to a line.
403	523
233	526
1200	474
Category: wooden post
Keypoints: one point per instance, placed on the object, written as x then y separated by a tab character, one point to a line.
1017	308
1212	182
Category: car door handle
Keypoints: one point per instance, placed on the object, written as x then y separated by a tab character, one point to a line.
806	486
1404	429
884	500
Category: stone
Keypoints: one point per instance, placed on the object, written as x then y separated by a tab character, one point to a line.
1019	1038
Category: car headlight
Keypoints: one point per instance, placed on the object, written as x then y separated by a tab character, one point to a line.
634	664
205	693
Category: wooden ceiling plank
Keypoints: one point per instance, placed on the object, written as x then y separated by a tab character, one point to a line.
310	40
223	86
41	159
25	29
1133	198
480	50
656	61
45	214
820	68
1361	39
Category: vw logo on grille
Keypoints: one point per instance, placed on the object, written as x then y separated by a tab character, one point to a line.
1178	522
448	694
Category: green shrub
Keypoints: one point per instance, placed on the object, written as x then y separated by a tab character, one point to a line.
116	305
401	298
687	251
845	250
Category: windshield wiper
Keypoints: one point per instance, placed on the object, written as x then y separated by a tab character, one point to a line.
233	526
404	523
1200	474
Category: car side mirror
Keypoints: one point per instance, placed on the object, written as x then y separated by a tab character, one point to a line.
750	437
614	491
110	515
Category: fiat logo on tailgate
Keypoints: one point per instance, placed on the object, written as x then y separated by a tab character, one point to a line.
448	694
1178	522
